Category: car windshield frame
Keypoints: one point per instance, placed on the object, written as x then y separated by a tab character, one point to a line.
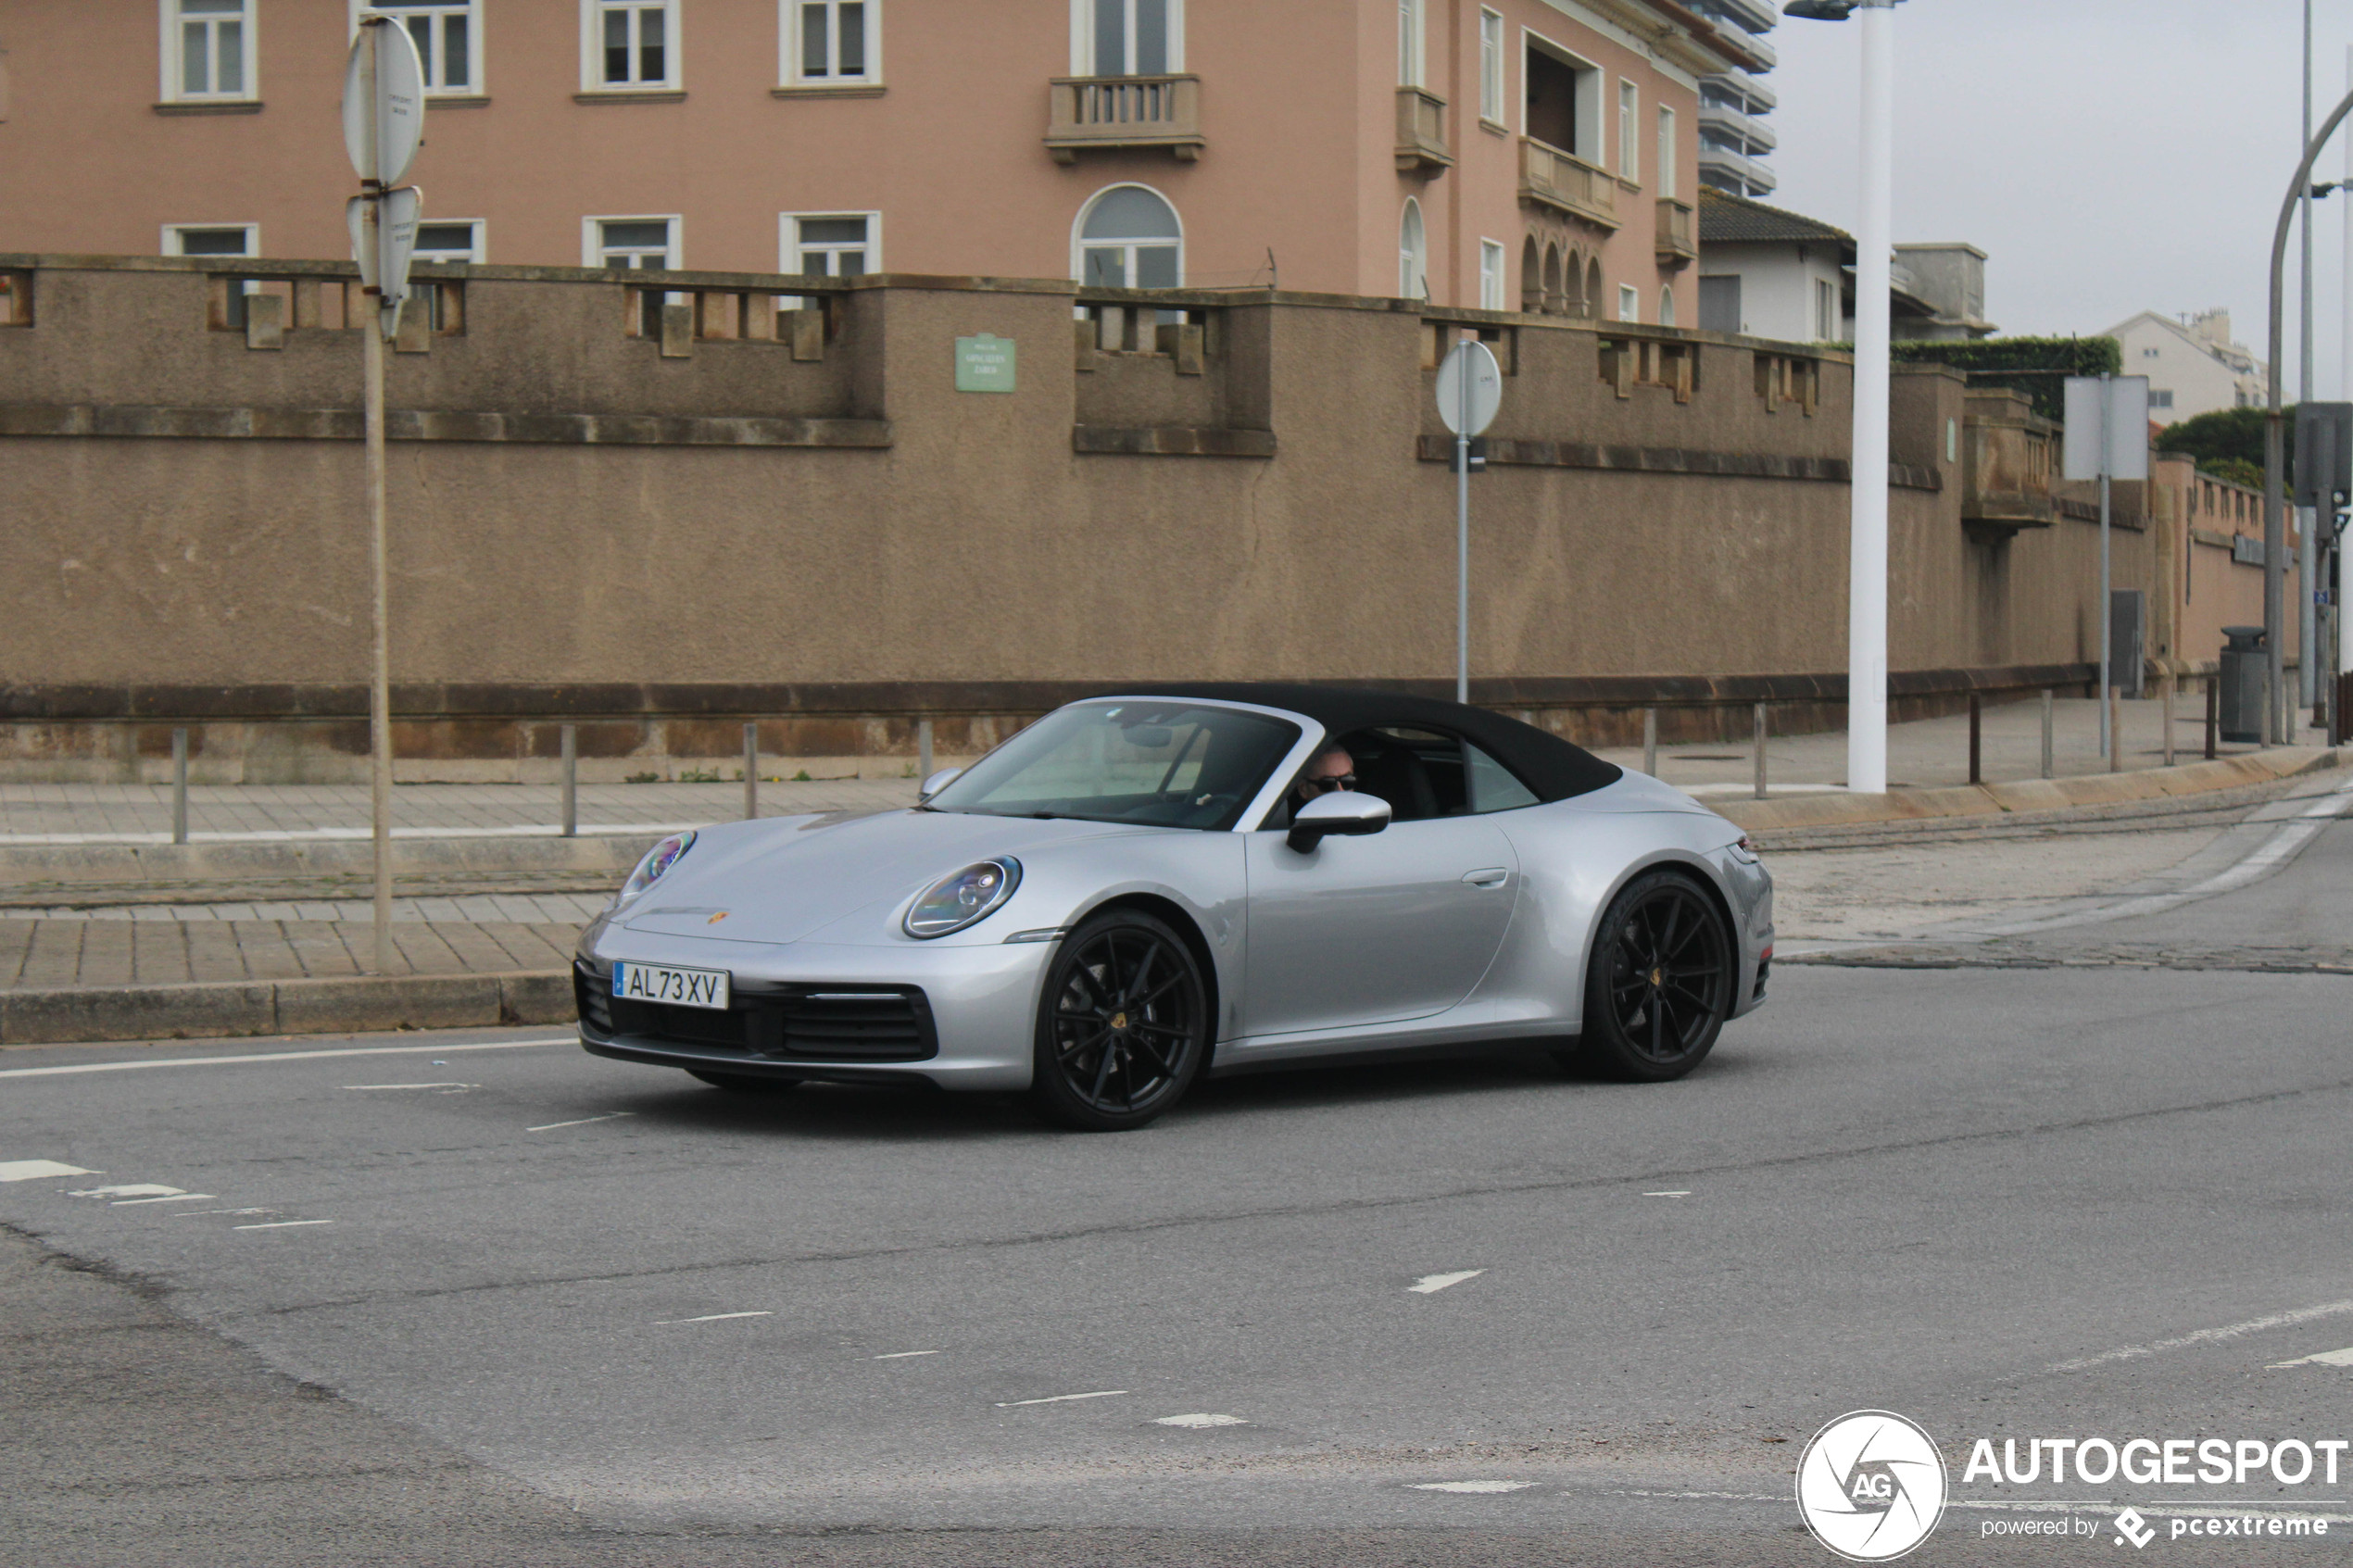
1197	780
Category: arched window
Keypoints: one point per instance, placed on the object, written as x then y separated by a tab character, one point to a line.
1128	238
1592	288
1666	307
1552	279
1572	293
1413	254
1532	277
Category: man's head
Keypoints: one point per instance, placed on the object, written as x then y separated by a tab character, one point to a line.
1331	771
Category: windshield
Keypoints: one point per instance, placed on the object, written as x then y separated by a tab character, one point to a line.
1165	764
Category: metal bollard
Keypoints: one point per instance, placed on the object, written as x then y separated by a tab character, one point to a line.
571	780
179	786
1649	741
1760	751
2047	705
2116	729
751	770
2213	712
2168	718
922	750
1975	725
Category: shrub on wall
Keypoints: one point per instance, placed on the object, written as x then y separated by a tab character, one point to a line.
2036	366
2228	443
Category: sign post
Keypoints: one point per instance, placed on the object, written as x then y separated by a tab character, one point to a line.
1470	388
2107	438
382	122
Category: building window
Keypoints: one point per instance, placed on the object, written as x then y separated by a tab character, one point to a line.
1629	163
1490	67
208	49
1666	306
1563	101
631	244
1127	37
457	239
1128	238
212	239
2149	353
832	42
2160	399
1409	42
1826	311
1665	177
448	38
831	245
1629	303
632	44
1490	275
1413	254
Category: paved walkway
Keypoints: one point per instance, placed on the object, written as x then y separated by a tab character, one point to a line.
54	953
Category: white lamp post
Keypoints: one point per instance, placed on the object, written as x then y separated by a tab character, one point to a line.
1874	243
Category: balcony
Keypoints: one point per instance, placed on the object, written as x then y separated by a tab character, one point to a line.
1740	90
1555	179
1726	164
1085	112
1732	125
1678	233
1421	132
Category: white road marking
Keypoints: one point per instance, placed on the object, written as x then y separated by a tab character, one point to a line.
366	1086
194	1212
1430	1283
34	1170
271	1056
282	1225
1683	1194
1204	1419
1059	1399
2210	1335
175	1198
902	1355
711	1317
2326	1357
607	1116
136	1189
1470	1486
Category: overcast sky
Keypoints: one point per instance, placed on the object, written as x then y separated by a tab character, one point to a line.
2109	156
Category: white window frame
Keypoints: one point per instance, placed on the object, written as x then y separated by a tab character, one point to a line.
592	48
1829	314
173	236
789	64
1666	305
1413	42
1490	66
1630	131
475	255
788	235
1669	154
472	9
170	80
1086	210
1590	124
592	248
1082	38
1493	260
1412	259
1629	303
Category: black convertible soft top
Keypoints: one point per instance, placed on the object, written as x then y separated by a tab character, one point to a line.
1550	766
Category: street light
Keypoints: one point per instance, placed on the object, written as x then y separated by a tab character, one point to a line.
1874	245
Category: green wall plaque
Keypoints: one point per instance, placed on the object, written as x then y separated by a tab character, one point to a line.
984	364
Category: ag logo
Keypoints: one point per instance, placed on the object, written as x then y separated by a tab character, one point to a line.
1870	1486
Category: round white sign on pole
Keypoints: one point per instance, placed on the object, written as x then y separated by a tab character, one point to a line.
1470	388
380	129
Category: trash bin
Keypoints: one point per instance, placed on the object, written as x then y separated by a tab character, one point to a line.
2244	667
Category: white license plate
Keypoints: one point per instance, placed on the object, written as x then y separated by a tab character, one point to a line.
678	988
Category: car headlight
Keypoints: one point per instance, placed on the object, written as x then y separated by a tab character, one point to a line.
659	859
968	896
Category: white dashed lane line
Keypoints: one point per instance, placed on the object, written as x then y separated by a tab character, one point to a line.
35	1170
1200	1420
173	1198
134	1189
1430	1284
1469	1485
608	1116
711	1317
1683	1194
445	1089
2326	1357
905	1355
2208	1335
1059	1399
282	1225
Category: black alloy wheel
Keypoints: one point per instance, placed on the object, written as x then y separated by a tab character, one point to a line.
745	1083
1660	985
1123	1026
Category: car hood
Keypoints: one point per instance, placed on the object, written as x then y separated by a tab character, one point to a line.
782	879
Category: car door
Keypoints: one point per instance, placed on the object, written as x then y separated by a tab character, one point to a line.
1395	926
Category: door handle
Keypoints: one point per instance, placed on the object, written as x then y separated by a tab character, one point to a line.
1491	876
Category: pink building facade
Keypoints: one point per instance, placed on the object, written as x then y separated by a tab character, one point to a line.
1535	154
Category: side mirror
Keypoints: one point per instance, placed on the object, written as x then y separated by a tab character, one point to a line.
937	783
1344	813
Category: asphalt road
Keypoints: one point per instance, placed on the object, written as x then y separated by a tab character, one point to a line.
452	1303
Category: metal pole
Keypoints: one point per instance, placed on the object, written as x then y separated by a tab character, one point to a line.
2307	670
570	733
2213	701
1649	741
1461	542
2108	597
2168	718
923	749
752	771
2047	706
2114	706
1866	557
1760	751
380	678
179	786
1975	726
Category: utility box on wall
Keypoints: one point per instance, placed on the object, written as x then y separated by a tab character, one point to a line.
2128	639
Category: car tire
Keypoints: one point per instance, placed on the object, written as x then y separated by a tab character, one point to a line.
1123	1025
1659	986
744	1083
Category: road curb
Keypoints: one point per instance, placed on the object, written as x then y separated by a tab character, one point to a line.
352	1005
2030	795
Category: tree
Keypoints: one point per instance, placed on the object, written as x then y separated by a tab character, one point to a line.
2228	443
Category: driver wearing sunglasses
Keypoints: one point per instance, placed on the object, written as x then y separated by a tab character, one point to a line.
1335	770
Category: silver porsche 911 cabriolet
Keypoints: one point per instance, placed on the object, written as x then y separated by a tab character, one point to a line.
1139	889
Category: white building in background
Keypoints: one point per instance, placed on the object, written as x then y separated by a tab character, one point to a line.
1767	272
2193	365
1733	137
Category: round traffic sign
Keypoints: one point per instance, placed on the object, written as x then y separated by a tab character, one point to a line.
380	129
1470	388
